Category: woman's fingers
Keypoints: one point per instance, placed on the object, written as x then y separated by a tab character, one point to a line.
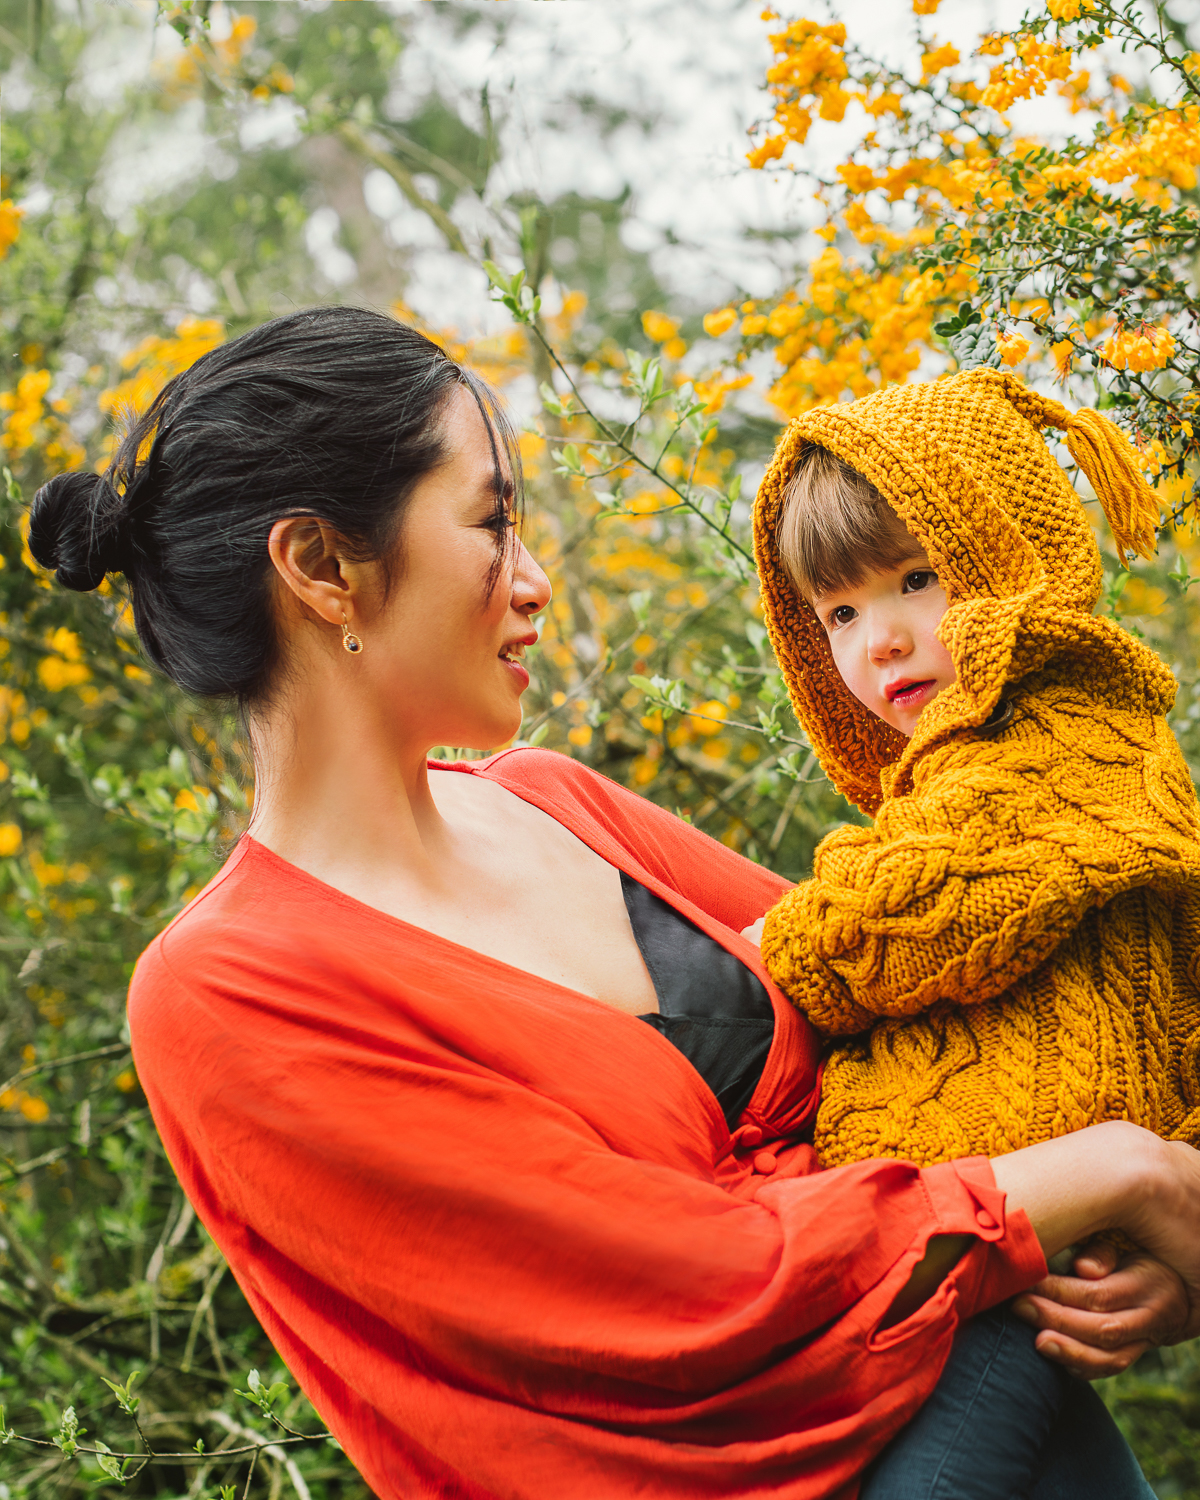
1142	1303
1097	1259
1085	1361
754	932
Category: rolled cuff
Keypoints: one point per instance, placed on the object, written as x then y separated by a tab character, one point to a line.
1007	1258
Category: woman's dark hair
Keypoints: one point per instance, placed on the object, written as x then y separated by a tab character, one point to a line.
334	412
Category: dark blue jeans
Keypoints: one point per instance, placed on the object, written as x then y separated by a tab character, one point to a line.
1005	1424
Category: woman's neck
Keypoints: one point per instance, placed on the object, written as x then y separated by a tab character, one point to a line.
332	786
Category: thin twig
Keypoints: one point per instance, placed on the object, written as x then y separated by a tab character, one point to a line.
61	1062
632	453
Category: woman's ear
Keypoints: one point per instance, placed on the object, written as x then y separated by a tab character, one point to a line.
306	553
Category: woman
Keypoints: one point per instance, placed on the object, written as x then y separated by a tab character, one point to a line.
508	1237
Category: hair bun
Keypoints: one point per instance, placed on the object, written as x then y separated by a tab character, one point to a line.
78	526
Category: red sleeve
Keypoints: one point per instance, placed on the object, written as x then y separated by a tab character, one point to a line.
484	1297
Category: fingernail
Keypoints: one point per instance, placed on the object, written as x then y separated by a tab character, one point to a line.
1025	1309
1050	1350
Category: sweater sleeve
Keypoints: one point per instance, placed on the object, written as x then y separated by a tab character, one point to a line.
964	885
443	1252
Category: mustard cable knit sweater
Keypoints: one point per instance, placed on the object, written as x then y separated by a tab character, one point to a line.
1012	951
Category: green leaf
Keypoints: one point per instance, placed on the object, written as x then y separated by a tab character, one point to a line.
127	1401
69	1431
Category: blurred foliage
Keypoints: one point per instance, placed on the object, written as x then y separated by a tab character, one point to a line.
119	798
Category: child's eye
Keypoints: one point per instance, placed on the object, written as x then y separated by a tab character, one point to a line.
842	615
919	580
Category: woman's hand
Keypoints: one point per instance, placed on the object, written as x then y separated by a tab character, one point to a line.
1100	1320
1113	1176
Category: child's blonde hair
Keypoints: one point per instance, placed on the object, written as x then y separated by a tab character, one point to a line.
835	527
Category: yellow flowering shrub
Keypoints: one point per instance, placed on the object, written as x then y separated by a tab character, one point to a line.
953	238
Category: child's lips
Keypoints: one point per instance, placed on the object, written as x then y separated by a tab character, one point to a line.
905	694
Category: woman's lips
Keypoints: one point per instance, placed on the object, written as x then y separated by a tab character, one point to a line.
518	671
910	693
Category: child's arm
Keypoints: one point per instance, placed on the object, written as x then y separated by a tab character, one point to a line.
963	886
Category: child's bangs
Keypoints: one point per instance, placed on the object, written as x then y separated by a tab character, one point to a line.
835	527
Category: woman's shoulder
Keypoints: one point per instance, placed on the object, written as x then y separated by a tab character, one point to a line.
259	915
557	781
660	843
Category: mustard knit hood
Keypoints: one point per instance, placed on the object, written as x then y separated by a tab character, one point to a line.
963	462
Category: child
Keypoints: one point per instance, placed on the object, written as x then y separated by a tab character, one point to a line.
1012	950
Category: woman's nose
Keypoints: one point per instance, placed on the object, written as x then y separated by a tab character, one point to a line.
531	589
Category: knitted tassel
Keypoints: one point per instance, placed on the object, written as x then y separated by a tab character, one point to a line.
1107	457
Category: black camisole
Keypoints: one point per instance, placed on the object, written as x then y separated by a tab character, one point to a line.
711	1006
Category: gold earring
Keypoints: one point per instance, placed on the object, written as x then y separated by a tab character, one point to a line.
349	640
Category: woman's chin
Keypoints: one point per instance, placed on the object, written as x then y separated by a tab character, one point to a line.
493	734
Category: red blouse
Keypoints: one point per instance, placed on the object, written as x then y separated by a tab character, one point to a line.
501	1233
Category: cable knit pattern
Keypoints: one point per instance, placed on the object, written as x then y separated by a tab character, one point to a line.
1010	952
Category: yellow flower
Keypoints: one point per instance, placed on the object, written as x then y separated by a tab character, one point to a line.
156	360
10	225
580	735
1067	10
35	1110
925	7
697	595
66	643
937	59
644	770
708	717
56	674
1148	347
1013	347
10	839
1062	353
719	322
26	407
857	177
658	326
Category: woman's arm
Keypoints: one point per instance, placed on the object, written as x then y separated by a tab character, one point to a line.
1111	1176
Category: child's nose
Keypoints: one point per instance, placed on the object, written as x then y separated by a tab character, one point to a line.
887	638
